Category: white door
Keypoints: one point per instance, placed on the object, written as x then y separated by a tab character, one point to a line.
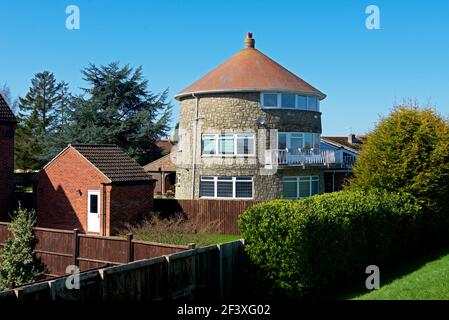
93	211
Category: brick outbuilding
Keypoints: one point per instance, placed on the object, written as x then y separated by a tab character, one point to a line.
7	128
96	188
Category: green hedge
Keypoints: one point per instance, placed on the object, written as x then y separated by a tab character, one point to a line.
327	241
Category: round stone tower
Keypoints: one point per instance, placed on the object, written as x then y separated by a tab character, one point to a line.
248	129
7	128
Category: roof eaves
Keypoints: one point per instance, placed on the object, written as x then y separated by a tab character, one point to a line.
182	94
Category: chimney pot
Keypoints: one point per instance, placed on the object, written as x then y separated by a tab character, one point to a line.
249	41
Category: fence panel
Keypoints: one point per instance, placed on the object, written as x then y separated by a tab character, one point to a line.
56	249
95	252
209	271
207	213
146	250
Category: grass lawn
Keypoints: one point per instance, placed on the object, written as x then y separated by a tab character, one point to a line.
423	280
200	239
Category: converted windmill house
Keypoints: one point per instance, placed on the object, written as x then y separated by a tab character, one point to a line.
7	129
250	129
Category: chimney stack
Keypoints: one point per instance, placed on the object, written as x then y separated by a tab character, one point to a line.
351	138
249	41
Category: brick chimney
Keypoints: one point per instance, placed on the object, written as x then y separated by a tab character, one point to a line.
249	41
351	138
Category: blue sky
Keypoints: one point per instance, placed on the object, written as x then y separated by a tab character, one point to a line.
325	42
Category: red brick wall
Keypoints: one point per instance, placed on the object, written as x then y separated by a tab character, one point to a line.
130	204
6	168
61	192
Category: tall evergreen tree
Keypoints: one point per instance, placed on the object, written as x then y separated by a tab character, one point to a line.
37	118
118	108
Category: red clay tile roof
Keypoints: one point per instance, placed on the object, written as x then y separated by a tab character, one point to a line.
162	164
250	70
344	142
113	162
164	145
6	114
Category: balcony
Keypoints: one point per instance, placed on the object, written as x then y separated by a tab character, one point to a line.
308	157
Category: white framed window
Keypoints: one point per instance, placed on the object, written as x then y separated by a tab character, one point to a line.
239	144
226	187
209	144
277	100
288	101
244	144
298	141
297	187
270	100
226	144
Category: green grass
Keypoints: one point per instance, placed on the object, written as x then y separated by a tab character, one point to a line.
421	280
200	239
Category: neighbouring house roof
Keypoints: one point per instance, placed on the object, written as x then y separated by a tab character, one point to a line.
250	70
356	145
112	161
164	145
6	115
161	164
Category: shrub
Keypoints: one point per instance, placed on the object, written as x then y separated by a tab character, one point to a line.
17	263
175	229
408	151
327	241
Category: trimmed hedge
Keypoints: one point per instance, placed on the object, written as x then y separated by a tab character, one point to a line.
327	241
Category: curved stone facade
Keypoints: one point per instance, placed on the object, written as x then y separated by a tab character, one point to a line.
236	113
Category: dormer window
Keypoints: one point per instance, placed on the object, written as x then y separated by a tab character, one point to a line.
275	100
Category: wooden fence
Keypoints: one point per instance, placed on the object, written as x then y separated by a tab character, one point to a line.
57	249
211	273
205	213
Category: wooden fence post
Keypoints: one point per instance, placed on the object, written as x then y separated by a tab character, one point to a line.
76	247
129	238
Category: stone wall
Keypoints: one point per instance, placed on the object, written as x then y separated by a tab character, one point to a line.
235	113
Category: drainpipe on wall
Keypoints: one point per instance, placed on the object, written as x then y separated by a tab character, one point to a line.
195	132
103	231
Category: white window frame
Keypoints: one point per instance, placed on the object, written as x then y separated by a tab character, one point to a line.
234	181
235	137
316	137
310	178
296	107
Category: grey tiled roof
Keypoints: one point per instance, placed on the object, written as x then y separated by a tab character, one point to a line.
113	162
6	114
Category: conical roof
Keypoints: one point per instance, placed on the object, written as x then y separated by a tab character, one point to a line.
250	70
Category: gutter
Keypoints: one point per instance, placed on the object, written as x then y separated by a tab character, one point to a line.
195	133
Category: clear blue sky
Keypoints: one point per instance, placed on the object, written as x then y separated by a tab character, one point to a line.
325	42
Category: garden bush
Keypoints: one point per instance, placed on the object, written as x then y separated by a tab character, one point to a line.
408	151
17	265
325	242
